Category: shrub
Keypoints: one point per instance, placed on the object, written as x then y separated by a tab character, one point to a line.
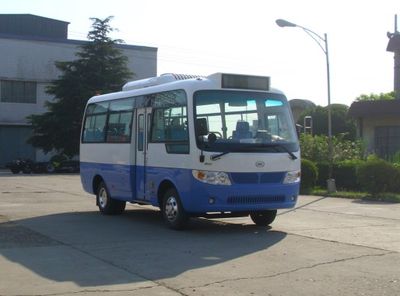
323	173
378	176
345	174
395	159
309	175
396	179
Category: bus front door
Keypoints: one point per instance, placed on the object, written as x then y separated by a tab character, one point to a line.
142	127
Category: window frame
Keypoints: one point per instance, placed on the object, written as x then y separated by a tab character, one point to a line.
108	112
384	141
26	98
128	136
170	145
84	125
292	145
142	101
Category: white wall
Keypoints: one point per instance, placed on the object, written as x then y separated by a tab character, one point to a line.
34	60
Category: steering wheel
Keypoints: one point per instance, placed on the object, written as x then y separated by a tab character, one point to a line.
218	134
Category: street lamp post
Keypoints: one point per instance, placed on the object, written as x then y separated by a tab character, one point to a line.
323	44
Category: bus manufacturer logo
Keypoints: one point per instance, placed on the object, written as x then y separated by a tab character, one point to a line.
260	164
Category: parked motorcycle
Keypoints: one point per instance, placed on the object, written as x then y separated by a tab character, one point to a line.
20	165
27	166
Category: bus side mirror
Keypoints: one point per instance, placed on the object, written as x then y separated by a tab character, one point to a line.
201	127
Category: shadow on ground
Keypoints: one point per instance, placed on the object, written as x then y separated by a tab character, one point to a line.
366	201
90	249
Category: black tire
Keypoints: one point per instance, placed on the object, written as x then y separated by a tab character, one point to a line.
15	171
172	210
263	218
106	204
50	168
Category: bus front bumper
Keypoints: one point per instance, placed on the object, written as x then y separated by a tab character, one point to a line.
206	198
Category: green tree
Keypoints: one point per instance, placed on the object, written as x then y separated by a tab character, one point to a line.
376	97
100	67
341	123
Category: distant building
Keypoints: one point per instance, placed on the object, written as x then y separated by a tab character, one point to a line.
29	47
378	122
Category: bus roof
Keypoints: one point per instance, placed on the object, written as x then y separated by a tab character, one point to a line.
158	80
171	81
235	81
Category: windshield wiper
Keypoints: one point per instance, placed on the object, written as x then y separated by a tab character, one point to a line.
276	145
218	156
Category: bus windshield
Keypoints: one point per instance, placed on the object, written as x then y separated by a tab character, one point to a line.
245	121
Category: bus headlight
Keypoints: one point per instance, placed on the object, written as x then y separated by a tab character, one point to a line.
215	178
292	177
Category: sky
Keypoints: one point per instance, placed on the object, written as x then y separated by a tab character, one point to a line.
231	36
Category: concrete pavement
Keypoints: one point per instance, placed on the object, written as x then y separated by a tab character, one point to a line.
53	241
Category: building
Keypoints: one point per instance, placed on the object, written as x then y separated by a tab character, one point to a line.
378	125
29	47
378	122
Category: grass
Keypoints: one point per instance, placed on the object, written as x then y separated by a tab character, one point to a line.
386	196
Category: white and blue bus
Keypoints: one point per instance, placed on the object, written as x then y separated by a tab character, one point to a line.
215	146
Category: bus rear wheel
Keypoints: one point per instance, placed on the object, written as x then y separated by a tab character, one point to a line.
263	218
173	212
106	204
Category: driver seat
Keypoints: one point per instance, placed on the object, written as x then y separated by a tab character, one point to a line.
242	131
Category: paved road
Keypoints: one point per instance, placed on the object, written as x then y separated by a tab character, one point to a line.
54	242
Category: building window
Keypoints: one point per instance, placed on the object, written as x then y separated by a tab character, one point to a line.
18	91
387	141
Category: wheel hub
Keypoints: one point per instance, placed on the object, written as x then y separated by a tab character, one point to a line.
171	208
102	197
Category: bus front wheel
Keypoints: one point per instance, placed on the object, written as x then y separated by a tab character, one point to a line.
263	218
173	213
106	204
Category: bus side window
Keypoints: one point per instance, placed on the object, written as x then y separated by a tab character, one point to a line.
158	126
175	130
148	127
119	127
94	128
140	140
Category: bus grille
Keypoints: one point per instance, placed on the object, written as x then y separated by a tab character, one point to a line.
258	178
250	200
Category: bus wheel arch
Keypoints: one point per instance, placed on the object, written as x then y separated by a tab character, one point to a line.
162	189
96	183
107	205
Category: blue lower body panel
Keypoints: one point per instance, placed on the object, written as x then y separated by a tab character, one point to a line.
248	192
118	178
239	197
